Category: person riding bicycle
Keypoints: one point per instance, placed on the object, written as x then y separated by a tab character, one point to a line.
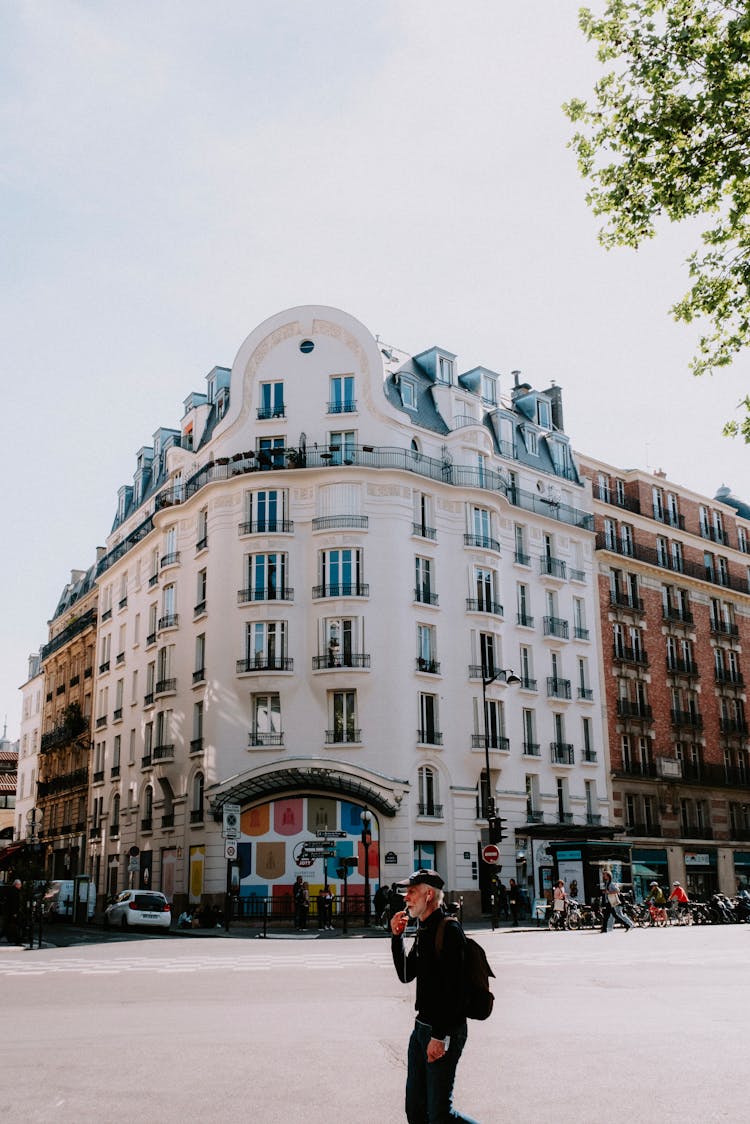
679	896
655	895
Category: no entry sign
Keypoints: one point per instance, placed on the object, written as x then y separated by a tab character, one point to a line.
490	853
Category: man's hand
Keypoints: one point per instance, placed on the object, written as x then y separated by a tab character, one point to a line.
399	921
435	1049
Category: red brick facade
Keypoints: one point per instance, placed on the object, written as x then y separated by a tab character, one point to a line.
674	588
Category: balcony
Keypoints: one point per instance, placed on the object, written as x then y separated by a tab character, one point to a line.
342	660
422	531
199	609
114	772
201	544
672	615
264	737
267	527
580	632
341	589
483	542
102	668
527	684
163	753
558	688
106	615
267	593
644	830
169	559
589	756
637	710
265	413
428	667
577	575
688	668
586	694
262	662
607	495
101	722
114	831
620	599
733	726
150	639
552	567
165	687
146	761
343	737
561	753
148	699
153	580
495	674
635	769
425	597
532	749
623	653
98	776
724	628
340	522
167	820
714	534
522	559
496	741
696	831
147	824
433	811
345	406
196	745
554	626
689	718
199	675
196	816
729	678
524	620
169	620
484	605
430	737
120	659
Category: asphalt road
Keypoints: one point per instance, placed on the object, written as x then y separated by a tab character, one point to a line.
650	1026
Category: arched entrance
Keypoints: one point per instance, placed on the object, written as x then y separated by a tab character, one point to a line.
292	808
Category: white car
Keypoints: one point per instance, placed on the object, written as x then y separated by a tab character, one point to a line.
130	908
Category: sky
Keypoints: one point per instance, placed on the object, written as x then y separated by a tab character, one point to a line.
172	173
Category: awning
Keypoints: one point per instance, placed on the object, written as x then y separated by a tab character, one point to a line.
8	853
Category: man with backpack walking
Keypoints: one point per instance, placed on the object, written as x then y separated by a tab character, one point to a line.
437	961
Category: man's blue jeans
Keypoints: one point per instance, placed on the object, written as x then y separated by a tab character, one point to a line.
429	1085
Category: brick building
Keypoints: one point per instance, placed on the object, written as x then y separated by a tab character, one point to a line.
674	594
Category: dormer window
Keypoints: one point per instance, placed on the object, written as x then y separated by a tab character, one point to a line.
445	370
222	402
531	438
408	393
489	390
543	415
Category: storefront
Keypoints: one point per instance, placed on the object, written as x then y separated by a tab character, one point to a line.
701	873
649	865
742	869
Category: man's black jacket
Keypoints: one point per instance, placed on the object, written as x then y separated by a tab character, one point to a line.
440	990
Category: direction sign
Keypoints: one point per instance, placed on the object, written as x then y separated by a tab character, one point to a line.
330	834
490	853
319	852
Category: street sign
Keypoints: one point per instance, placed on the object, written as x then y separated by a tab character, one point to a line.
319	852
133	866
231	821
230	849
490	853
391	857
330	834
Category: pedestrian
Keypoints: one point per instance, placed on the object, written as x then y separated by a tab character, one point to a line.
325	907
612	900
380	901
297	896
304	908
514	899
439	1033
502	900
559	900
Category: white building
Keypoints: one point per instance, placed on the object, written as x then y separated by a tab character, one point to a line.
28	745
298	599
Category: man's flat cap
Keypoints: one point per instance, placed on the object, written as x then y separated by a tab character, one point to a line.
423	878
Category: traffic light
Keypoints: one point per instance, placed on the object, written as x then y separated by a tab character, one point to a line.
497	829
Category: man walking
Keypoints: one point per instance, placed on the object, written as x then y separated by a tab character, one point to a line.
439	1034
612	905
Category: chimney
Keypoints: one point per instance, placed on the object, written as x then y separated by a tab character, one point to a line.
554	393
100	552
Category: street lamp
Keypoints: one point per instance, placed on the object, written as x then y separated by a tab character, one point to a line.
512	680
364	815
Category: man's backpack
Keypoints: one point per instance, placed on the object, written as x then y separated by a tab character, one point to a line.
478	999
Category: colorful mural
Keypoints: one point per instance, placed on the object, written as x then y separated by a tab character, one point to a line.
270	851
